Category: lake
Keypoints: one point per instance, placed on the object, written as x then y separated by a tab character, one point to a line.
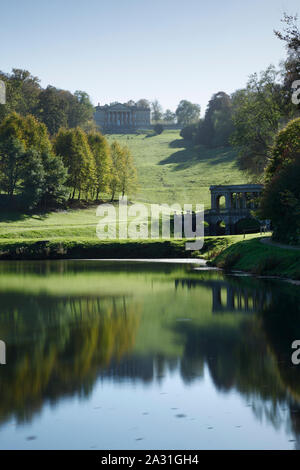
144	355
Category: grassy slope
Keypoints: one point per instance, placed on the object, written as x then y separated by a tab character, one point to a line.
257	258
167	173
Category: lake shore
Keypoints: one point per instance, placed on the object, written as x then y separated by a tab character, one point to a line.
257	257
252	255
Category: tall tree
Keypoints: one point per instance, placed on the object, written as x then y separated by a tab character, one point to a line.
103	164
169	116
187	113
52	109
156	111
280	200
257	113
72	145
291	36
216	127
128	173
117	166
143	103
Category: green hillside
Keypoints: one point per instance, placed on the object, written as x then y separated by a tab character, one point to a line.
169	172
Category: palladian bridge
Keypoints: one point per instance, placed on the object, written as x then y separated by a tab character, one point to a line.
231	205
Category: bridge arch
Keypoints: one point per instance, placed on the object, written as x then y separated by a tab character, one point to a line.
240	201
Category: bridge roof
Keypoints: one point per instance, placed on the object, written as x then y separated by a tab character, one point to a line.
236	187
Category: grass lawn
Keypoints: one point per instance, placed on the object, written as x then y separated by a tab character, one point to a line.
169	172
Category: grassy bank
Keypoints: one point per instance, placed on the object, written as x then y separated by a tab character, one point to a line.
90	248
63	247
254	257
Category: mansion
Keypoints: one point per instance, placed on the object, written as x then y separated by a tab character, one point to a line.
119	117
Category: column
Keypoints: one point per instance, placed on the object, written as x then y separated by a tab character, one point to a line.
212	200
228	201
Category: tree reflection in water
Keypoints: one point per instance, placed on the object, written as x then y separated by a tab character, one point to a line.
240	328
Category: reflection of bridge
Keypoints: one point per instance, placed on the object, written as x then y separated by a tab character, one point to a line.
239	201
230	298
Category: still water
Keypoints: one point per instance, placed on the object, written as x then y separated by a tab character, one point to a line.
120	355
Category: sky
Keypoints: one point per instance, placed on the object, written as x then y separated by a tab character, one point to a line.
117	50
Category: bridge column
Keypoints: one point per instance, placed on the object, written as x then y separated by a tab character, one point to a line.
213	200
228	201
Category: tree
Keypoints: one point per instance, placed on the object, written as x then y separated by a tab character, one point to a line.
81	109
22	91
28	165
103	164
291	36
257	113
187	113
285	149
116	156
143	103
12	160
128	174
281	197
72	145
156	111
169	116
52	109
217	126
190	132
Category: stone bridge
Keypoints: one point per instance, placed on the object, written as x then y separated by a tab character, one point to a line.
231	204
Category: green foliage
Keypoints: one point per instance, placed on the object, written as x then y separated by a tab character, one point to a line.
187	113
72	145
158	128
169	117
216	127
253	256
124	176
286	148
156	111
257	112
54	107
291	66
281	197
28	166
103	163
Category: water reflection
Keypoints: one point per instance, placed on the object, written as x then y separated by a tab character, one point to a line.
67	325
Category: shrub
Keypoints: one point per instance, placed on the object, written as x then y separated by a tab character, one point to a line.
158	128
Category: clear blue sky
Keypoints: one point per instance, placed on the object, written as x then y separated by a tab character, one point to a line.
117	50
